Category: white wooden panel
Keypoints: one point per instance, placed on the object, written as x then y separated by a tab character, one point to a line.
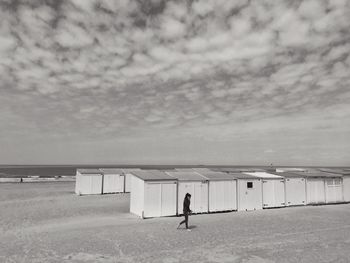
334	190
346	187
127	183
279	187
315	191
77	184
231	195
168	199
204	197
113	183
222	196
222	188
96	184
295	191
212	196
215	196
152	200
249	198
268	193
122	183
338	192
88	184
199	196
137	197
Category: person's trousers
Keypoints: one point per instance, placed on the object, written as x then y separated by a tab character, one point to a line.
186	220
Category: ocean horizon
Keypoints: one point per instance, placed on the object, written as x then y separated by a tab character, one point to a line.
46	170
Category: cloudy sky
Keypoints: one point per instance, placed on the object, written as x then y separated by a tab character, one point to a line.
176	82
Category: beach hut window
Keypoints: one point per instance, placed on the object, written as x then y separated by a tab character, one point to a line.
334	182
249	184
337	182
330	182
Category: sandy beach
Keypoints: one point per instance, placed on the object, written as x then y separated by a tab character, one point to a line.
47	222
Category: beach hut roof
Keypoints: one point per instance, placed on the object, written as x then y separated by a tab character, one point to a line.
152	175
187	176
213	176
335	171
243	176
319	174
292	169
238	170
264	175
111	171
129	170
89	171
193	170
290	174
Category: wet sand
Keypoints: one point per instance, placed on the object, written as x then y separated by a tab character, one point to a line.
47	222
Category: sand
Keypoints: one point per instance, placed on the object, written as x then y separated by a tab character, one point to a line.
47	222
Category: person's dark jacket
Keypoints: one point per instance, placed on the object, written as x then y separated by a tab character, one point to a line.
186	206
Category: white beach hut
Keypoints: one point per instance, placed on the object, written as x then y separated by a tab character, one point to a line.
273	192
249	192
222	191
153	194
345	180
194	184
113	180
295	188
88	182
315	188
334	189
322	187
346	183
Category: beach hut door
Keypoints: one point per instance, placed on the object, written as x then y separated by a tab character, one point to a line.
168	199
152	200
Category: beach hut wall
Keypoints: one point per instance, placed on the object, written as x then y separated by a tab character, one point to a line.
295	189
249	192
113	180
153	194
88	182
222	191
346	187
323	187
334	189
194	184
338	186
127	178
273	189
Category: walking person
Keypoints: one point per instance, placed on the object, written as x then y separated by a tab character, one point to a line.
186	210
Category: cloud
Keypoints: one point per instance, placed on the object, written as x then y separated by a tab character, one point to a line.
91	69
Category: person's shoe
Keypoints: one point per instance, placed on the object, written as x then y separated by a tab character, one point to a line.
188	229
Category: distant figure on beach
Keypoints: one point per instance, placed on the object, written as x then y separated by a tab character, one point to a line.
186	210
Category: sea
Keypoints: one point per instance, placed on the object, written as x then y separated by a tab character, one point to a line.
70	170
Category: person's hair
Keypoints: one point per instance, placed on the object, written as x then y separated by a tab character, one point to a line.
188	195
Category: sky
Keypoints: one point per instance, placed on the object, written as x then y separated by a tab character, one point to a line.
175	82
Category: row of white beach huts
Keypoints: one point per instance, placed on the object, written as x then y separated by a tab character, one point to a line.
155	193
103	181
